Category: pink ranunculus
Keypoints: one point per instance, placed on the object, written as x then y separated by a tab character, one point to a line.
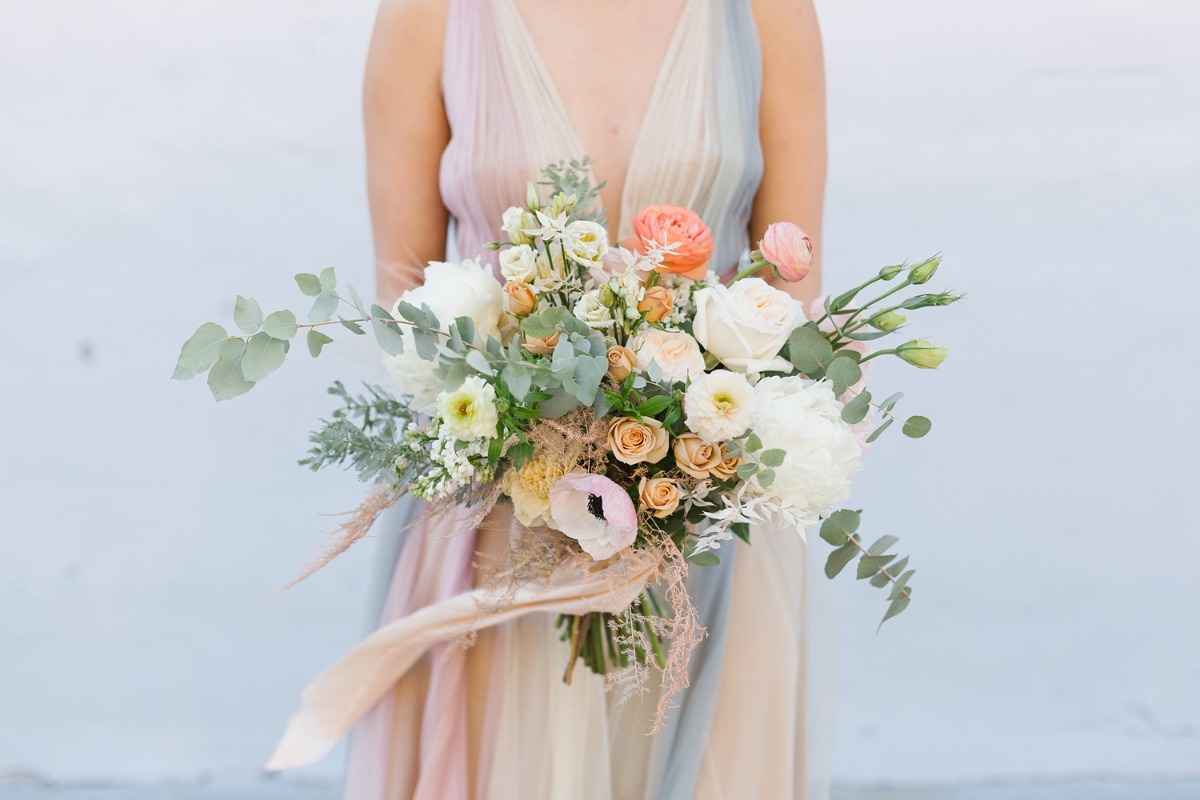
594	511
674	225
789	250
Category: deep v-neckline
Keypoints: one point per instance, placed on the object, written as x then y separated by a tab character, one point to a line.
535	56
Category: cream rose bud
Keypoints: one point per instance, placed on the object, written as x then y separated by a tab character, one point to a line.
469	412
621	362
633	442
585	242
728	466
591	311
695	456
676	353
659	496
657	303
719	405
747	324
519	298
519	263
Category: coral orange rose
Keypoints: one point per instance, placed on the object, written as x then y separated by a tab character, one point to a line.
681	229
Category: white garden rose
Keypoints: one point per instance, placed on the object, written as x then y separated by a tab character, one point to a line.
719	405
585	242
592	312
747	324
469	412
804	419
676	353
519	263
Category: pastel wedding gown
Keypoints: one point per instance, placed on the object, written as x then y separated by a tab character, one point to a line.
431	719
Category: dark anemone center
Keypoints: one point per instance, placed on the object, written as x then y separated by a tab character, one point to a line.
596	506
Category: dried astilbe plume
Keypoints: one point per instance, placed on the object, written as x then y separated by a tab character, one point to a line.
577	439
682	629
530	561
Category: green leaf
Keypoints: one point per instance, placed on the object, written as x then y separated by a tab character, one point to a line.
309	284
901	583
316	340
898	605
477	361
518	380
899	566
875	434
654	405
280	325
225	379
881	580
741	529
869	565
916	427
843	372
838	527
323	307
773	457
351	325
753	443
766	478
890	403
747	471
809	350
328	279
200	351
520	454
882	544
858	408
263	356
247	314
839	558
706	559
387	332
357	300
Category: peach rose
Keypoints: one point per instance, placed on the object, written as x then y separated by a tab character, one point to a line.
695	456
674	225
789	250
541	347
621	362
659	496
519	299
728	466
657	303
633	442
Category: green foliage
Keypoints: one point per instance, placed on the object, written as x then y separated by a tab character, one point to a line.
200	352
365	434
263	356
316	341
916	427
808	350
875	564
225	379
280	325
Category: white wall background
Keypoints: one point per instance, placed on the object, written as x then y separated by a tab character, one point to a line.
157	158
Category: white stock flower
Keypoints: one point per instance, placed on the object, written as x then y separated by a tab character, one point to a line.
746	325
519	263
804	419
592	312
719	405
586	243
676	353
469	412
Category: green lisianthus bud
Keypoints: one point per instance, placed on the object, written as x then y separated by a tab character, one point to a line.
531	197
945	298
607	296
921	353
888	273
921	273
887	321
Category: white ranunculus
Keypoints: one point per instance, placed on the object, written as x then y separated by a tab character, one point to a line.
747	324
451	290
469	412
804	419
593	313
676	353
585	242
719	405
519	263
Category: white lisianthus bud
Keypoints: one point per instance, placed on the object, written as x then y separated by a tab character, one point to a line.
514	223
921	273
887	321
585	242
591	311
921	353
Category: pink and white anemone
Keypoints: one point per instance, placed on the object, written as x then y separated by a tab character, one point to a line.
594	511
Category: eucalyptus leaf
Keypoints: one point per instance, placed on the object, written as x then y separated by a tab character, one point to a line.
773	457
844	373
753	443
766	478
328	279
263	356
225	379
901	583
479	362
706	559
838	527
890	403
839	558
881	580
426	343
352	325
869	565
809	350
356	299
747	470
882	544
316	341
915	427
309	284
387	332
519	381
323	308
875	434
741	530
898	605
200	351
857	409
280	324
247	314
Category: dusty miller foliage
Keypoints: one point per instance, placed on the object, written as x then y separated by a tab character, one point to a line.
366	434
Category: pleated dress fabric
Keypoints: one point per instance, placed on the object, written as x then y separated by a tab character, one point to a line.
495	721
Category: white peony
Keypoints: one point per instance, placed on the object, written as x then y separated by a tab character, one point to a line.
804	419
585	242
719	405
592	312
747	324
469	412
451	290
519	263
676	353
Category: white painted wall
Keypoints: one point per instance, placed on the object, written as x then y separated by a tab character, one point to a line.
156	158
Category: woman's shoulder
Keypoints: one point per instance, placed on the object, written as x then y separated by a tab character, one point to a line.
411	31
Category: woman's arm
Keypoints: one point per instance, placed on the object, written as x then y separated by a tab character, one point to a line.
406	132
792	128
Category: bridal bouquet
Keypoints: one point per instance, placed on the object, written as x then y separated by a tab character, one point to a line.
623	399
